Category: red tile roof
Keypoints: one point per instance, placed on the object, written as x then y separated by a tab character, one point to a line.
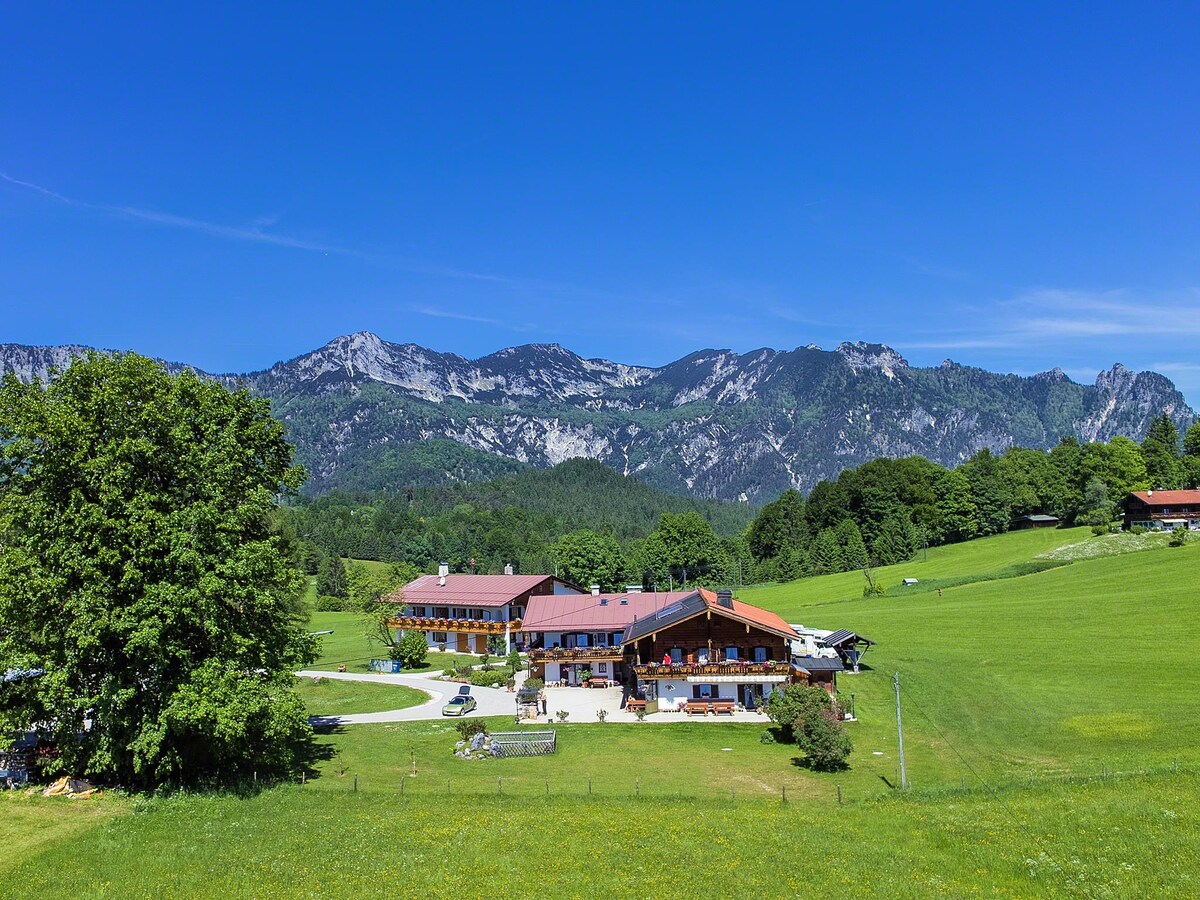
755	615
584	612
1168	498
468	590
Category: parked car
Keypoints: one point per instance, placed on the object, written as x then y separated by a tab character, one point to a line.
459	705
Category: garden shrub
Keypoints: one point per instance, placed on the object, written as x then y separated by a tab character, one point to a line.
325	603
534	684
488	679
468	728
411	650
808	716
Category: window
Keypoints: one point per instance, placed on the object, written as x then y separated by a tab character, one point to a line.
676	656
601	640
731	653
602	668
439	637
760	654
704	691
581	640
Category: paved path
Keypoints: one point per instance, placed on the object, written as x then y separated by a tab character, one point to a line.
492	702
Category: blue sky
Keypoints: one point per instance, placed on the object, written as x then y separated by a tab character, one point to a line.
1011	186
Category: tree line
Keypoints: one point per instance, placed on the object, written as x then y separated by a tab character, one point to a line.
882	512
879	513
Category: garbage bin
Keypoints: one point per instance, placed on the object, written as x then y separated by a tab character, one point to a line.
395	666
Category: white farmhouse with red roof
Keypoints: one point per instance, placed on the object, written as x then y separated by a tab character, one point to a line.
463	611
576	638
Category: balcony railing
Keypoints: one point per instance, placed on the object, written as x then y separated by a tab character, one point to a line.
434	623
684	670
577	654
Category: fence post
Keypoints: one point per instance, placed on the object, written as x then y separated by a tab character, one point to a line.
839	787
500	786
589	787
402	780
637	788
302	777
356	784
547	789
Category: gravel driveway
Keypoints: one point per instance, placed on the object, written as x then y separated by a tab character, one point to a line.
492	702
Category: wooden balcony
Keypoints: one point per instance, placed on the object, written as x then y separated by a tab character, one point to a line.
469	626
577	655
683	671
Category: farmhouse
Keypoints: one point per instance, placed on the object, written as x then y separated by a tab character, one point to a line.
464	611
1162	510
709	652
576	638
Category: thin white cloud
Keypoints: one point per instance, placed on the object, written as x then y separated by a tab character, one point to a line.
231	232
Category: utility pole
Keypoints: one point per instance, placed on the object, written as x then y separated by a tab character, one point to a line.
900	734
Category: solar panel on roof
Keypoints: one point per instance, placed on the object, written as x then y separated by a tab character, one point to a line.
668	610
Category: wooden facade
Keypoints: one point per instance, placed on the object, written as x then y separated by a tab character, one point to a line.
709	636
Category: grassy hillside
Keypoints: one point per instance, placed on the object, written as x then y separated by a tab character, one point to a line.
978	558
1094	663
1034	706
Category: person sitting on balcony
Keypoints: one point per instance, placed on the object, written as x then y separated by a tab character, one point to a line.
666	658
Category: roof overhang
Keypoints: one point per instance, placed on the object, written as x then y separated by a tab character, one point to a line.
736	679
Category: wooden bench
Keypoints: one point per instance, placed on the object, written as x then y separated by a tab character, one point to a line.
635	705
696	706
722	706
597	681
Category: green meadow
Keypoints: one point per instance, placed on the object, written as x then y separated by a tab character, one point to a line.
349	646
1051	724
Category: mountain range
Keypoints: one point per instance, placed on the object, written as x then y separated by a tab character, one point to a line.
368	414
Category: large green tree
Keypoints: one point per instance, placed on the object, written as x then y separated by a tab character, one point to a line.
139	570
682	548
586	558
1160	450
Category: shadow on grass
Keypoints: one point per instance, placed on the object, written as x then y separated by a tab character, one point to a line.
803	762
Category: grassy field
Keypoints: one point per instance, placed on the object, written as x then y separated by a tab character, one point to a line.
328	697
348	645
1061	670
979	558
1116	838
1034	706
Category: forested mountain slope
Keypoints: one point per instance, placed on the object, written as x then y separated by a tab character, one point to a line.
713	424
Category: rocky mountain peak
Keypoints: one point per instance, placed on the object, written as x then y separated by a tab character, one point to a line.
861	356
714	423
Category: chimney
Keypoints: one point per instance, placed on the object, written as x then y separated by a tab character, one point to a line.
508	569
725	598
1150	493
633	588
443	571
595	590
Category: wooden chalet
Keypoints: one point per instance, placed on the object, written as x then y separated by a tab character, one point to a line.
709	652
1035	520
1162	510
